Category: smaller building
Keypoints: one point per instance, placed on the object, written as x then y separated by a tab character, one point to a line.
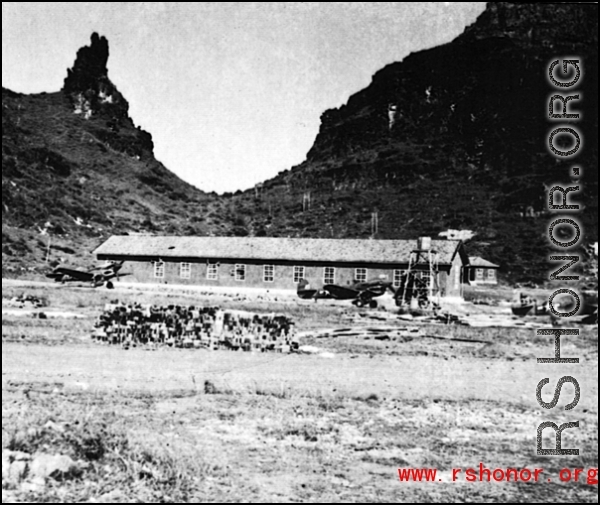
481	272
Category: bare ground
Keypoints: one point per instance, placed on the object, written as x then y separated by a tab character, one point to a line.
174	425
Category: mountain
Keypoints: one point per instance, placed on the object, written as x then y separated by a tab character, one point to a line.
468	150
76	169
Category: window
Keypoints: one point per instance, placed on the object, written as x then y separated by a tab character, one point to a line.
185	270
329	275
398	274
298	274
491	274
479	274
268	273
360	275
212	272
159	269
240	272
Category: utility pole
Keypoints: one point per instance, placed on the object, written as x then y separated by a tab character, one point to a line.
44	231
306	201
374	224
48	251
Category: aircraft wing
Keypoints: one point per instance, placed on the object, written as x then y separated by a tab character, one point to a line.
313	294
70	274
369	294
341	292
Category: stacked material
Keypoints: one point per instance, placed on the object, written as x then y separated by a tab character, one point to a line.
194	327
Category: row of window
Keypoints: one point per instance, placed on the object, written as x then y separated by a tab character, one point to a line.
239	273
481	274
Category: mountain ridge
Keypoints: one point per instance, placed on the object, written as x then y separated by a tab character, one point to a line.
468	148
467	151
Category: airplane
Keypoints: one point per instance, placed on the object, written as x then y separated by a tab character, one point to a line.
361	293
98	276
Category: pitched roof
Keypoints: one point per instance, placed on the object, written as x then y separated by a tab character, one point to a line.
267	248
476	261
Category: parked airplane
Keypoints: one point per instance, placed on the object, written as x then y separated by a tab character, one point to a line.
361	293
98	276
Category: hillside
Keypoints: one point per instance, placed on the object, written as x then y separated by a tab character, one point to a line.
467	152
75	166
468	149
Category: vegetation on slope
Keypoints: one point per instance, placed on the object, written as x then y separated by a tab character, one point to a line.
468	151
76	169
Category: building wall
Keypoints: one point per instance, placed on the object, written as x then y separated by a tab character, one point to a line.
142	270
456	278
450	279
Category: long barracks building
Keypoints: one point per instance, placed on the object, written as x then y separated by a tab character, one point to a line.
279	263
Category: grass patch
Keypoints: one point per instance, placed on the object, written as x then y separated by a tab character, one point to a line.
176	447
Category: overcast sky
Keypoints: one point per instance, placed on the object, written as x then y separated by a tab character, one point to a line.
231	92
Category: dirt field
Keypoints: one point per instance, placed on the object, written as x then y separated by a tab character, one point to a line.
189	425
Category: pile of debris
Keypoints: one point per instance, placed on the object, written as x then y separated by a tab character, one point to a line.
368	333
194	327
501	319
27	301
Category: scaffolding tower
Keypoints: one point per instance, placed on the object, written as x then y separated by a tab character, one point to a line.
422	259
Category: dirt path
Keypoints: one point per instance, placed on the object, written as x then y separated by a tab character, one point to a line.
399	377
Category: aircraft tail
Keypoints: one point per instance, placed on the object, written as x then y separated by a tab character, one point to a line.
303	285
304	290
117	265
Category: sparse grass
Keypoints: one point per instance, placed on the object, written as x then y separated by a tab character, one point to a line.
191	426
151	461
492	295
91	301
223	447
56	331
452	342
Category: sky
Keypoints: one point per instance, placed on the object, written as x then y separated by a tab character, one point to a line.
233	92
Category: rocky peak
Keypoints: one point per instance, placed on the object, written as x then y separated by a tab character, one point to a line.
89	68
88	86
